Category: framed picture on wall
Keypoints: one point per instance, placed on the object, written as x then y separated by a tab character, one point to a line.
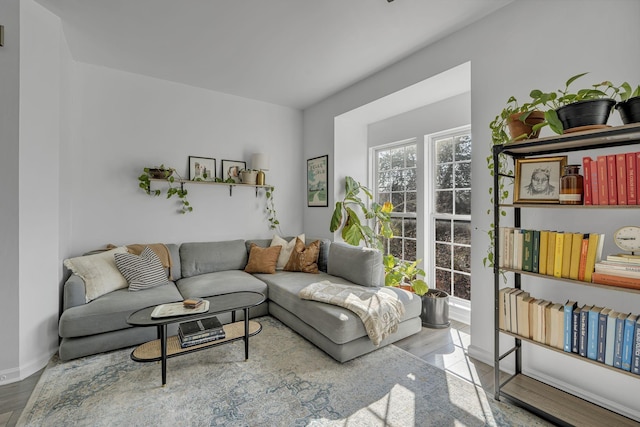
317	184
231	169
202	168
538	179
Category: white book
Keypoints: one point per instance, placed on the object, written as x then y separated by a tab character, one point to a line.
611	337
517	249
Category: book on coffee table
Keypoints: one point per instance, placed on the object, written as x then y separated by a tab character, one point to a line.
191	343
177	309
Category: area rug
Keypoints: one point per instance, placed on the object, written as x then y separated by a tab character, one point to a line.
287	381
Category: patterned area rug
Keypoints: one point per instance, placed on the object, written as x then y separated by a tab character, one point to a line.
286	382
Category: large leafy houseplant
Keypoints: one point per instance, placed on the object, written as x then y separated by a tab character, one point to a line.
399	272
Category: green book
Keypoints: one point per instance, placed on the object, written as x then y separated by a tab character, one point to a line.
535	253
527	250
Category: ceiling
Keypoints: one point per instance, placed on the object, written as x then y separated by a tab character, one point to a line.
287	52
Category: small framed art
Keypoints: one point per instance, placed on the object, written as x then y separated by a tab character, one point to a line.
317	184
202	168
231	169
537	180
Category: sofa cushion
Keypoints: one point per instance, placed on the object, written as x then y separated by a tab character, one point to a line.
323	256
304	258
263	260
209	257
142	271
362	266
287	248
99	272
110	311
221	282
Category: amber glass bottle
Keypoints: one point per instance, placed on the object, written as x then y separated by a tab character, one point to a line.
571	186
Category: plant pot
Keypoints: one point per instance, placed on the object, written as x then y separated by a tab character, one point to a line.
248	176
435	309
592	113
629	110
157	173
520	130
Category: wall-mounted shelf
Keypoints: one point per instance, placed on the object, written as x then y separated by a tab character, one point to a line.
189	182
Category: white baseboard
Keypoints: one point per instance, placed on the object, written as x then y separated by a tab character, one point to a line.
13	375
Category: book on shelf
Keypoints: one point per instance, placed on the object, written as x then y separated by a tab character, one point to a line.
632	183
522	301
635	365
566	255
544	246
592	332
584	330
558	257
583	256
575	329
617	346
502	308
568	308
513	309
637	155
628	258
527	250
602	334
201	328
595	184
547	332
501	242
535	257
210	338
621	178
587	182
594	252
576	246
611	337
616	280
517	249
619	269
628	341
612	179
542	320
551	253
603	187
557	326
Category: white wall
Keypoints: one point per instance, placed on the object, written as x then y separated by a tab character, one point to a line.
125	122
9	221
549	57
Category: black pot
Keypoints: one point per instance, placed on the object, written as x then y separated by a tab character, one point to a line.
435	309
629	110
585	113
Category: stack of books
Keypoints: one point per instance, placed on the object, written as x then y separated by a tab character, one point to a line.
200	331
618	270
611	179
192	302
597	333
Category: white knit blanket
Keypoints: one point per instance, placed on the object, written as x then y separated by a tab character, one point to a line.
380	312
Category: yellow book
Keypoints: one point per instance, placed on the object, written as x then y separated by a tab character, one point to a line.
566	254
592	250
576	245
542	256
551	253
557	262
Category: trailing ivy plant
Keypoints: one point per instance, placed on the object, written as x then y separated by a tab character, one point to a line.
270	208
162	172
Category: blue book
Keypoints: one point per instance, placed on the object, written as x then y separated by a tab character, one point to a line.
627	342
635	366
568	329
617	346
602	334
592	332
575	329
584	330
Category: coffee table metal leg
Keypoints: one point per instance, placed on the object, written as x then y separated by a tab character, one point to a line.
163	349
233	316
246	333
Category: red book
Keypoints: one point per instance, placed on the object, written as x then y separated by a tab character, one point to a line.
586	172
621	178
632	184
603	188
593	167
611	179
637	175
582	265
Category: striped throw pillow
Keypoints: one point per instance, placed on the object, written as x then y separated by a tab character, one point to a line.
142	271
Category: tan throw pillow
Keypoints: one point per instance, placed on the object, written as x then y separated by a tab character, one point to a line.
287	248
262	260
99	272
303	258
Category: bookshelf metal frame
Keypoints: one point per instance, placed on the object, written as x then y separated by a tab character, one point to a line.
578	141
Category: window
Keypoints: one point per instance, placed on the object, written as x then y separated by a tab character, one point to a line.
451	212
395	182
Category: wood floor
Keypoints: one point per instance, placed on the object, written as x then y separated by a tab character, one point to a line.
443	348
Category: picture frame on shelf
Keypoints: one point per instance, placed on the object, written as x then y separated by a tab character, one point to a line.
317	183
202	168
537	180
231	169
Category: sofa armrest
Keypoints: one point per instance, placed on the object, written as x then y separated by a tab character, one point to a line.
362	266
74	292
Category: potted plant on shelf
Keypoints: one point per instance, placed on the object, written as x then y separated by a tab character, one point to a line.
629	105
587	108
167	174
516	122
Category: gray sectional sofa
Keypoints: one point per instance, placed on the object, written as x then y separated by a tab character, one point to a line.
211	268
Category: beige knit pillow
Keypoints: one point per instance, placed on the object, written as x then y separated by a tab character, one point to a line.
262	260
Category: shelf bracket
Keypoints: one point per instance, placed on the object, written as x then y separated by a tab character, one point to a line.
230	190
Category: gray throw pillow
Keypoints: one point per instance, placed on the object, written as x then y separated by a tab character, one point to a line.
142	271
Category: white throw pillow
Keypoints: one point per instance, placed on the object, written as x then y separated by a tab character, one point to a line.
287	248
99	272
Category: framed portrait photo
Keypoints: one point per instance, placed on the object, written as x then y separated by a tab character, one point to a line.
231	169
202	168
317	184
537	180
